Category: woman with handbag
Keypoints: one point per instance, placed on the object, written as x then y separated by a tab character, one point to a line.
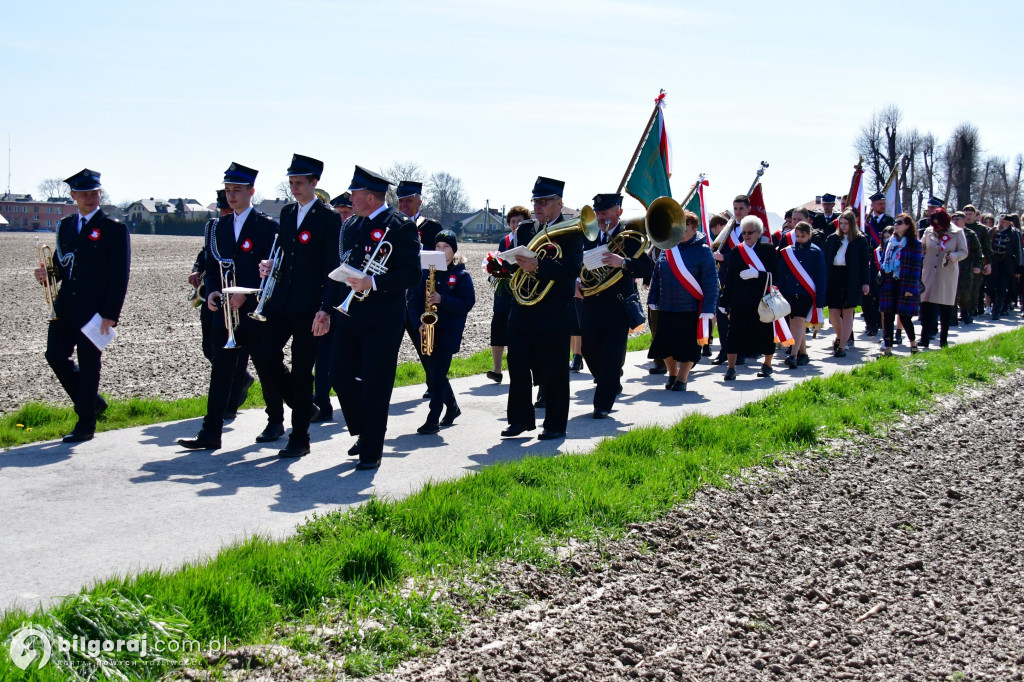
684	288
900	272
752	267
847	252
802	281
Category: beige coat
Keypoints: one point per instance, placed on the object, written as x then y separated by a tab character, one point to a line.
940	281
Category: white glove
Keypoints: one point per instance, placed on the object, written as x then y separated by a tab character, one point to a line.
707	316
723	311
749	273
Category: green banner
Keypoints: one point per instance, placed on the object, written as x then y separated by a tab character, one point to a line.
694	206
649	179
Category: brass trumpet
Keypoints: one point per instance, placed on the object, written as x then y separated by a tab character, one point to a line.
429	317
526	288
50	285
231	316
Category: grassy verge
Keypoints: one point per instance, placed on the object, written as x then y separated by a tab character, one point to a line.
375	564
44	421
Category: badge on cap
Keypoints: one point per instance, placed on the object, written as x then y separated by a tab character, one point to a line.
305	236
377	235
247	246
94	235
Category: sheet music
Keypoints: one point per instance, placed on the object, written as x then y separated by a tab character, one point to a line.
92	332
435	258
343	272
510	255
592	257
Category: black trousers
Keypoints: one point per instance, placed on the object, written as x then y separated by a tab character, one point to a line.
206	320
1000	284
935	319
363	367
322	368
80	381
227	371
294	387
604	349
441	394
722	322
872	316
889	327
544	353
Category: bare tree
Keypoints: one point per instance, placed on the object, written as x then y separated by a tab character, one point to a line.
878	142
54	188
284	191
908	145
869	145
445	196
927	149
402	170
1007	186
962	156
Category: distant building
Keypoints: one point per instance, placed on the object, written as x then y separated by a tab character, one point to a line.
24	213
154	210
479	226
272	207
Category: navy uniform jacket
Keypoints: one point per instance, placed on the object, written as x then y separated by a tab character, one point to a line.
428	229
879	226
824	223
95	278
606	309
556	311
252	246
458	297
310	253
386	305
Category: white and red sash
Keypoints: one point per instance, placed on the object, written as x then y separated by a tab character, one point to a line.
878	257
816	316
782	333
734	237
789	239
690	283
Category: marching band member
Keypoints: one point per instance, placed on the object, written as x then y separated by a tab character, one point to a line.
749	266
298	307
846	256
685	289
605	325
497	271
342	205
823	222
453	298
239	241
91	259
901	281
366	343
802	282
539	334
874	226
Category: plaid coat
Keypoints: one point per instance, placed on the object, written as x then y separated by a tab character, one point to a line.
892	299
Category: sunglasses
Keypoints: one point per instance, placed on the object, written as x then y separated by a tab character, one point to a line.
900	222
747	234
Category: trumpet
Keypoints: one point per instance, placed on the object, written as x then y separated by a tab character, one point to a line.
50	285
197	294
268	283
231	317
376	264
429	318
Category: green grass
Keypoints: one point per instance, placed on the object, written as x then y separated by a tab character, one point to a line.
354	567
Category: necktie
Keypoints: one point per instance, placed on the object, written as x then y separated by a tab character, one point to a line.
81	225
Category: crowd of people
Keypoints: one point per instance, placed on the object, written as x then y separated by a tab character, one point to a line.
344	280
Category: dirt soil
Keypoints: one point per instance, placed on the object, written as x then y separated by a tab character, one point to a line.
158	351
896	557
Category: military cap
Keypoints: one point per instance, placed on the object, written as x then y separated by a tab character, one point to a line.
84	180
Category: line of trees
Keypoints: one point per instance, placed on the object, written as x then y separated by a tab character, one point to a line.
443	194
957	170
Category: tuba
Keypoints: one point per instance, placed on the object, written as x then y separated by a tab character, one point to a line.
663	226
526	288
51	285
429	318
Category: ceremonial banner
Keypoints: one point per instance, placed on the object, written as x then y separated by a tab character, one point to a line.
652	165
855	199
893	200
697	206
757	208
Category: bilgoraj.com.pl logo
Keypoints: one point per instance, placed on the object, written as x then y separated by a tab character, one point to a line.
23	647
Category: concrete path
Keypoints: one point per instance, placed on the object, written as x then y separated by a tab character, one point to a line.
132	499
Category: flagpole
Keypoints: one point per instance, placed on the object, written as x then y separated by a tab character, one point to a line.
757	177
893	175
640	144
724	234
693	190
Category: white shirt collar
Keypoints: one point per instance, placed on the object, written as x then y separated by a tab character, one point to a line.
303	210
82	219
376	213
240	219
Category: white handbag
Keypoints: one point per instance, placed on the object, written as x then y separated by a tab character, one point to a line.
773	305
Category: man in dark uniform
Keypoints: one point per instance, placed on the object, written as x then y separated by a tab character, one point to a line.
243	381
605	325
410	199
985	239
342	204
875	225
933	205
823	221
297	308
367	340
538	335
239	241
91	259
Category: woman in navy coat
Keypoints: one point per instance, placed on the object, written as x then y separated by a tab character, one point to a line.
454	296
802	265
847	255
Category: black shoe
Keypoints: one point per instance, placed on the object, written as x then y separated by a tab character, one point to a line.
514	430
872	332
228	416
791	362
77	436
450	415
803	359
295	448
658	369
840	353
706	350
428	428
101	406
326	413
601	414
968	319
202	441
354	450
678	385
898	340
720	359
496	377
765	372
426	395
671	380
541	403
271	433
730	374
314	416
550	435
368	466
577	364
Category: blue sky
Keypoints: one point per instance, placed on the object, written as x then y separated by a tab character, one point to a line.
161	97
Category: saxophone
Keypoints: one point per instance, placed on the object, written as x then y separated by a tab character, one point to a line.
429	318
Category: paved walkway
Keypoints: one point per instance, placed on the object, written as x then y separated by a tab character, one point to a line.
132	499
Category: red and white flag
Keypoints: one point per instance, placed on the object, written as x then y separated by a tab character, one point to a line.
757	208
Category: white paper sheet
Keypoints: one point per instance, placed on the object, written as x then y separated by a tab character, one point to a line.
592	257
344	271
92	332
510	255
435	258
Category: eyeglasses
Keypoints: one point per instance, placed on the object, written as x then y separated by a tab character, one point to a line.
747	234
899	222
541	202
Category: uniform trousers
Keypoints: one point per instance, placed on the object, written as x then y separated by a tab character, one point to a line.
604	349
363	367
1001	285
206	322
294	387
543	352
226	367
322	369
81	381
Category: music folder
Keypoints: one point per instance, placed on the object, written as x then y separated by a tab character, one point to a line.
343	272
435	258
